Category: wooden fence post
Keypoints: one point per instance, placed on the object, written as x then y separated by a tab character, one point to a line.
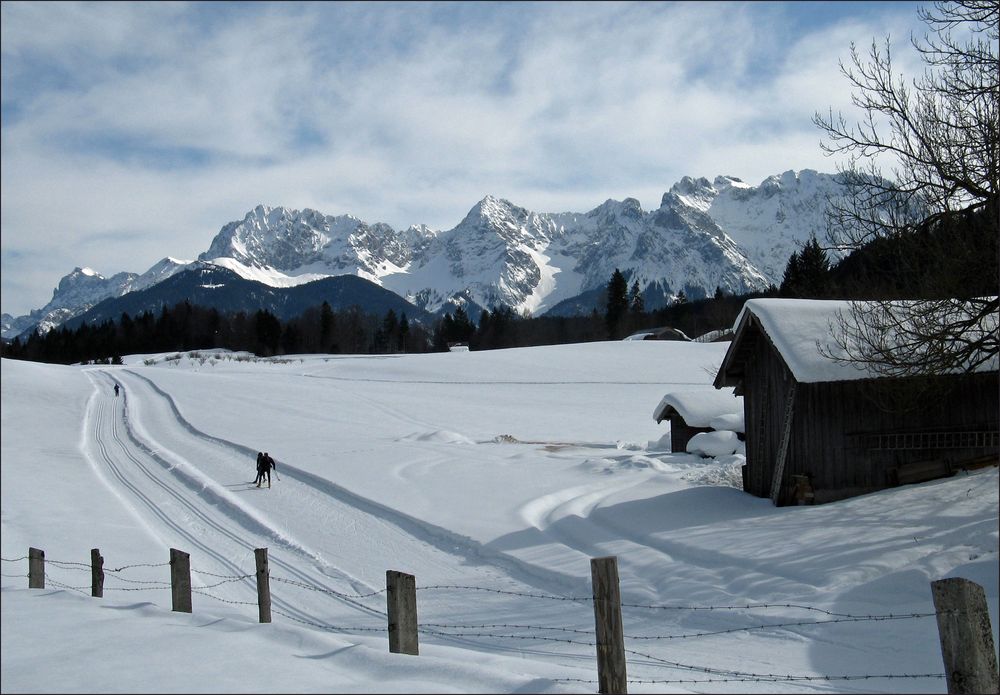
96	573
263	585
180	580
608	619
963	619
401	600
36	568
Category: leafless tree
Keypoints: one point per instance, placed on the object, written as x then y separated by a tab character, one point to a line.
915	338
941	129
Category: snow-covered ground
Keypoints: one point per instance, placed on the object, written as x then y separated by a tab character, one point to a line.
492	477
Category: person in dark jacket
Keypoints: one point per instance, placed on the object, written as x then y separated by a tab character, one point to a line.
116	389
268	465
260	468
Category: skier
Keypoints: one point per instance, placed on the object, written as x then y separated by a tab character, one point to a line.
116	389
268	465
260	468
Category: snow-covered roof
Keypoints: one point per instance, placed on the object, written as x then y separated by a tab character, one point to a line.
730	421
699	408
802	331
674	333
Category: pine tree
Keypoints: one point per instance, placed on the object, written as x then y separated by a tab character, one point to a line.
792	278
462	327
636	304
807	272
617	305
404	332
814	268
327	324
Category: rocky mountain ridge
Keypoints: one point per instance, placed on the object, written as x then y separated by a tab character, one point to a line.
724	233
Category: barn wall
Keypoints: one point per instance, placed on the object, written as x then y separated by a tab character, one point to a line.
765	386
681	433
852	437
839	431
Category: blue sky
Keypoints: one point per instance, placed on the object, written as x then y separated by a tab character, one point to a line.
134	131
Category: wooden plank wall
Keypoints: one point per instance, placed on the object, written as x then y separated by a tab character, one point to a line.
831	420
766	384
829	441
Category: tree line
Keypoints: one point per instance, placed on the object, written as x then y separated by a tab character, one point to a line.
957	258
186	326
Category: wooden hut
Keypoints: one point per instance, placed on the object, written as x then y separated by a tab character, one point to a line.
661	333
691	412
820	429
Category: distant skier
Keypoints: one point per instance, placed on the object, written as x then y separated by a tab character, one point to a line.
260	468
268	465
116	390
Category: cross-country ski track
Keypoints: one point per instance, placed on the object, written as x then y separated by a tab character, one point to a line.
193	491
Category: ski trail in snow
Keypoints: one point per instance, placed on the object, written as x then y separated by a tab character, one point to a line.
98	413
176	474
319	494
171	498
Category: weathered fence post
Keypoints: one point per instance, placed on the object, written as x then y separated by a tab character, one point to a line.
180	580
36	568
608	619
401	600
963	619
263	585
96	573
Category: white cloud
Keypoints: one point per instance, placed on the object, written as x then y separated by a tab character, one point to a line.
162	122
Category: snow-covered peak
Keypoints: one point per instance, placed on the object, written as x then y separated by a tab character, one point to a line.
722	182
697	193
159	272
76	293
705	234
80	277
629	208
494	211
689	185
789	181
770	221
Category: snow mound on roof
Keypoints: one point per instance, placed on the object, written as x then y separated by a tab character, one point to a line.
713	444
699	408
729	421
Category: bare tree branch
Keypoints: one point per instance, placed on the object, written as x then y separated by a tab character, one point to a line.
942	130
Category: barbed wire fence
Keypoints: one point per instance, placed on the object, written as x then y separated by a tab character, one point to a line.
611	675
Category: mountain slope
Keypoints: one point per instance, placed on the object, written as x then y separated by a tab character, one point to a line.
215	287
726	234
769	221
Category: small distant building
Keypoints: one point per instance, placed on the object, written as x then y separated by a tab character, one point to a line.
458	347
691	412
820	429
661	333
718	336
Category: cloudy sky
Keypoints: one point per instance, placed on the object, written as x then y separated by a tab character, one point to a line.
132	131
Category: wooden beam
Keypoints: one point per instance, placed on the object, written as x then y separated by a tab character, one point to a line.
786	434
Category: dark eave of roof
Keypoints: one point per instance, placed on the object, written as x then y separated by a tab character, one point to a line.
668	410
734	363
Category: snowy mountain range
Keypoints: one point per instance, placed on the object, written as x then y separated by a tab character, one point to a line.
724	233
